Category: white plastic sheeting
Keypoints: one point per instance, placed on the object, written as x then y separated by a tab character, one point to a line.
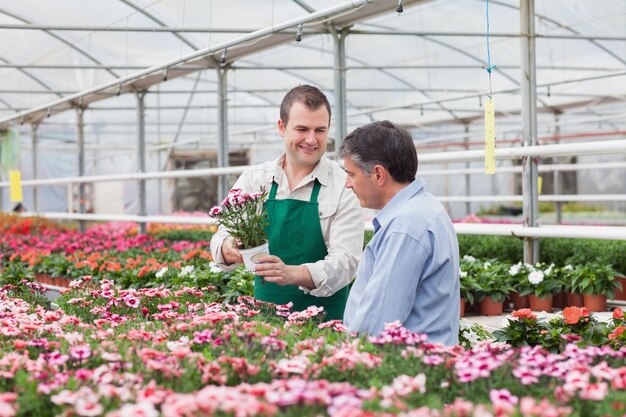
424	79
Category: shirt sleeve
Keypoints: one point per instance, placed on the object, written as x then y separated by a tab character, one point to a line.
344	246
392	288
243	183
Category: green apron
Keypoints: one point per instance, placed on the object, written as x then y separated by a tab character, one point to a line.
295	236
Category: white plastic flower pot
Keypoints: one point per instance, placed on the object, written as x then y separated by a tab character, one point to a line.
251	256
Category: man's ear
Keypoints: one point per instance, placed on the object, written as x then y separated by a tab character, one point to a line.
380	174
281	127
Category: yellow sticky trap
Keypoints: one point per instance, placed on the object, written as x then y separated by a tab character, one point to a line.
490	137
15	184
539	184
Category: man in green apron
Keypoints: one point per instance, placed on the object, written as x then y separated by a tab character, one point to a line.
315	227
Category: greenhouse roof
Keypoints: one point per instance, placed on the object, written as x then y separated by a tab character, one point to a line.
423	68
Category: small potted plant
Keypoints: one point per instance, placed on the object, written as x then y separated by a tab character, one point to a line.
467	287
245	218
572	296
469	267
540	282
492	285
596	282
518	272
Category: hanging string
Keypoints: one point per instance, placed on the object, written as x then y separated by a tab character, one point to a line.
489	66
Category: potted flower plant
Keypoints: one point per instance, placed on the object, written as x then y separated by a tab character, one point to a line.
518	273
245	218
572	296
596	282
540	283
492	285
469	267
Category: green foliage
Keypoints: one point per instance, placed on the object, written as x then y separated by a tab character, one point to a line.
367	237
55	264
482	279
559	251
18	282
595	278
505	248
576	324
540	279
471	335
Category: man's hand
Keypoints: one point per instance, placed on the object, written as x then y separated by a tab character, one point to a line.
230	252
273	269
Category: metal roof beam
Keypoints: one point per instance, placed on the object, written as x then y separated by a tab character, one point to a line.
238	48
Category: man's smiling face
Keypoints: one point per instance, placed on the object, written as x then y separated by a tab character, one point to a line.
305	134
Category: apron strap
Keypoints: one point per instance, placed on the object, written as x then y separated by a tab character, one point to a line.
272	195
315	192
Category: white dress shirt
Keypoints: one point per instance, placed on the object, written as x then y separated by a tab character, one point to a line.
341	219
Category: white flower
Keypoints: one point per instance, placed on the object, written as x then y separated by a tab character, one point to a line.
469	258
535	277
186	271
514	269
486	265
568	267
462	273
161	272
549	270
214	268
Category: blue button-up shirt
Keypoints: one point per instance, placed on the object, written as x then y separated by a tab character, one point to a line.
409	271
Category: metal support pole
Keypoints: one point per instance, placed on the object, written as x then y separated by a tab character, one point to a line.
35	141
529	126
222	150
341	114
141	156
80	126
468	205
557	173
160	182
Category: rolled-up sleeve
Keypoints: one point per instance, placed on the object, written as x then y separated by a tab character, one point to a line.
344	243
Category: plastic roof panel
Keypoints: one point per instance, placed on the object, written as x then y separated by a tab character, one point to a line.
430	80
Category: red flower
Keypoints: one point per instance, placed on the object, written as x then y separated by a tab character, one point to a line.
524	313
573	314
618	313
617	332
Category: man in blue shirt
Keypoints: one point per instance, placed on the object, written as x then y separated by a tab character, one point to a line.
409	271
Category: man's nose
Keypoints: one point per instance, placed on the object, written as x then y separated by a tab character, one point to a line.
310	137
348	183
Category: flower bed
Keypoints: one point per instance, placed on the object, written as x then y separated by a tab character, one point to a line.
201	349
115	352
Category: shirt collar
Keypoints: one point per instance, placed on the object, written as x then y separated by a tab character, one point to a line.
320	172
388	212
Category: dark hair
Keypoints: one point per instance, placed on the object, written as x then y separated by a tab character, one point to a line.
382	143
308	95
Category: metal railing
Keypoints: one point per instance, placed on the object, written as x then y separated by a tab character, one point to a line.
589	148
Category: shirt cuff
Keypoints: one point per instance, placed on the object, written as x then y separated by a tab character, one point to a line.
219	258
322	289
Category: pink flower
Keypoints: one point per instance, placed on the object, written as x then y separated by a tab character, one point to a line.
64	397
80	352
595	392
88	407
131	301
142	409
503	395
215	211
7	410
